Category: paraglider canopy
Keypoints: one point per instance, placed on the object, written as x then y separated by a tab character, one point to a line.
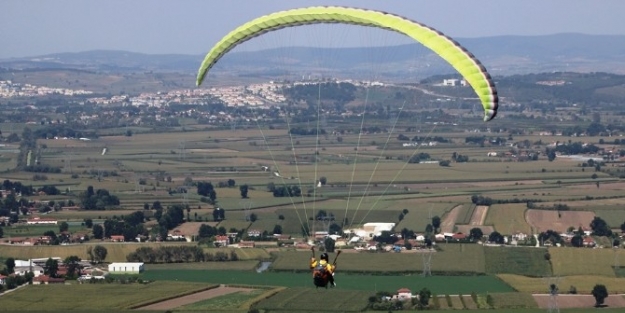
457	56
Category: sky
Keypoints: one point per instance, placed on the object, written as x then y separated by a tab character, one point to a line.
38	27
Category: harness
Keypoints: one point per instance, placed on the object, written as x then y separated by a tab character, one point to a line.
321	275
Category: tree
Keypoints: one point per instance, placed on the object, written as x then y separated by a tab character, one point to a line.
156	205
1	232
622	228
10	264
98	232
231	183
551	155
600	292
253	217
335	229
63	227
51	267
277	229
436	223
476	233
424	297
206	231
219	214
134	218
72	265
429	228
323	180
99	252
577	241
212	195
496	237
329	244
88	223
600	227
550	235
243	189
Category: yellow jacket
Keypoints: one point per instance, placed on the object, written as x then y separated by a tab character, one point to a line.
329	267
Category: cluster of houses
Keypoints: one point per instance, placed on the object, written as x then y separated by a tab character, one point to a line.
65	236
85	270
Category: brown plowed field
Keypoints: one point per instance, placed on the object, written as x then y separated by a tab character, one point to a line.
192	298
579	301
447	224
191	228
479	215
543	220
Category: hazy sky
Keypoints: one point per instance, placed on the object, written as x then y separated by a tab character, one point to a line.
36	27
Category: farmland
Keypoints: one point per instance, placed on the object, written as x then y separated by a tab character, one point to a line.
508	218
571	261
438	284
117	252
367	177
101	296
519	260
340	301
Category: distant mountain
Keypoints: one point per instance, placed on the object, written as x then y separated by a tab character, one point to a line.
502	55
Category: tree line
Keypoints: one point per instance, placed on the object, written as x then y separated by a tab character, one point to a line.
179	254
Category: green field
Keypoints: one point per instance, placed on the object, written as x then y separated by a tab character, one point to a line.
226	302
294	299
100	296
443	261
25	231
438	284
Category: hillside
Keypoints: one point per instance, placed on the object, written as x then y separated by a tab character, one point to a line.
502	55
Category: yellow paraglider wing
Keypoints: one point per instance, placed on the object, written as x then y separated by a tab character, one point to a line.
458	57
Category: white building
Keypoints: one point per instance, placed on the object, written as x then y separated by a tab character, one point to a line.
126	268
22	270
38	220
370	230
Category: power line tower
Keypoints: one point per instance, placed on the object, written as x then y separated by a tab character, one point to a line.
553	283
100	173
426	257
137	179
68	161
181	149
247	207
185	196
615	247
233	124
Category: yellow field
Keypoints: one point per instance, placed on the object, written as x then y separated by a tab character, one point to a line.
576	261
117	252
508	218
583	283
